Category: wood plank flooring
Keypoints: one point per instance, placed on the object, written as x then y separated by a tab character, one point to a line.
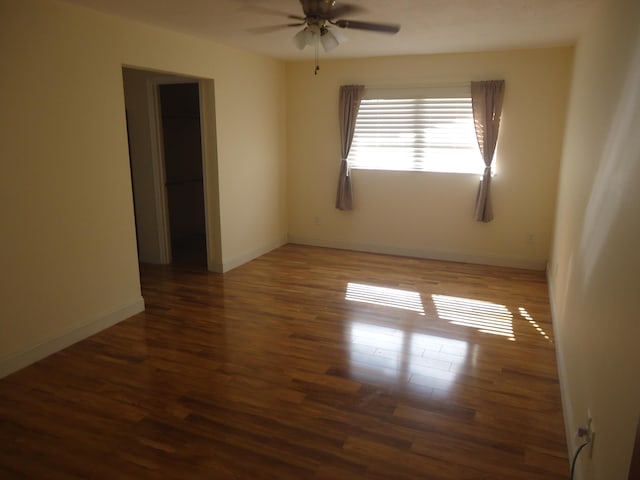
306	363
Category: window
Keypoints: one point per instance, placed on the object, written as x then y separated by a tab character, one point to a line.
427	129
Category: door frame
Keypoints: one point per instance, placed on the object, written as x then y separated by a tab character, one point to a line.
208	147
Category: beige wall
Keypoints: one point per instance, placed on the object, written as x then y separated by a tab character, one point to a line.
68	243
431	214
596	252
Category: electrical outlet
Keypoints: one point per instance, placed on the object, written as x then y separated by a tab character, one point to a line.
592	433
587	432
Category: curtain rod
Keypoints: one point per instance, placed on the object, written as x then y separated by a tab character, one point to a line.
405	86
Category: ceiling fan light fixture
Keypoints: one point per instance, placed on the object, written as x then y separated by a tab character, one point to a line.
300	38
328	39
308	36
313	38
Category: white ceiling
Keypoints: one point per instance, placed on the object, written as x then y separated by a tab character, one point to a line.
428	26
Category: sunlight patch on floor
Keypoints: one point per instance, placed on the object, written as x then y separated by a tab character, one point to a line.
487	317
524	314
387	297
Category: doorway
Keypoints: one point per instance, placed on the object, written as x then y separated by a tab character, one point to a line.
181	139
173	155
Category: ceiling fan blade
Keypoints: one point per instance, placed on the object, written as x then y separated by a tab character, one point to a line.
345	9
271	11
373	27
273	28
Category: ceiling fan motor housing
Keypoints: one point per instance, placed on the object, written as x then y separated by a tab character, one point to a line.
317	8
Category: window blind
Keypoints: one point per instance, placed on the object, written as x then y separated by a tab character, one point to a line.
419	134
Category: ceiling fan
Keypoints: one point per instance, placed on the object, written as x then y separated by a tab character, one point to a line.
320	16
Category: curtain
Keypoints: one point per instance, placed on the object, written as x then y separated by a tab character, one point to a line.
350	97
486	98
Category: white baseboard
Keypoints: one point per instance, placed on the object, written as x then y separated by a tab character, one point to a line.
16	361
216	267
451	256
230	264
567	410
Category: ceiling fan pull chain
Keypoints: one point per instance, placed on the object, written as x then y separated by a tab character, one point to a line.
317	66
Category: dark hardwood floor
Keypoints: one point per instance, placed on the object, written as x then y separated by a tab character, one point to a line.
306	363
